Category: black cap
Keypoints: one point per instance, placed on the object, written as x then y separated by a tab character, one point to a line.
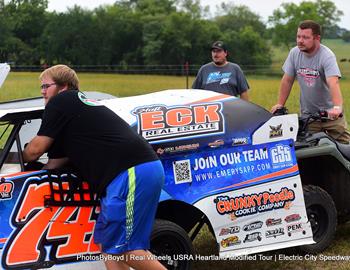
219	45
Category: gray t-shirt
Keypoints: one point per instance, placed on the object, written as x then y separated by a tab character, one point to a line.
228	79
311	73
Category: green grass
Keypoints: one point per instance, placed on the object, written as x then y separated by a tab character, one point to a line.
263	92
26	84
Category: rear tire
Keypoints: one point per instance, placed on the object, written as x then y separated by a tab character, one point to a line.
322	215
170	241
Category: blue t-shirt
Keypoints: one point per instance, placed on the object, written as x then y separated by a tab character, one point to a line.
228	79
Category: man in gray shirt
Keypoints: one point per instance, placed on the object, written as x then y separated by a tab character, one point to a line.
220	75
316	69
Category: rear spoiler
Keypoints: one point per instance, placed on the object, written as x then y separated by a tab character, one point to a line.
4	71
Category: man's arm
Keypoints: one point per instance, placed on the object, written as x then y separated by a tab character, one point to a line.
285	88
55	163
197	83
37	146
334	88
244	95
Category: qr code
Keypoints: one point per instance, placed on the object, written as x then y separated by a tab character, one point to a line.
182	171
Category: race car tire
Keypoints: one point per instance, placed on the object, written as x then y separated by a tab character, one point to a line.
170	243
322	215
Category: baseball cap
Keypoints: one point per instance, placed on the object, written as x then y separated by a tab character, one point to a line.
219	45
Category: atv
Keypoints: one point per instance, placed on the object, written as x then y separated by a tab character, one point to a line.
324	166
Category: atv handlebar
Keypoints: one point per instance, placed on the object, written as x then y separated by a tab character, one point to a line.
304	122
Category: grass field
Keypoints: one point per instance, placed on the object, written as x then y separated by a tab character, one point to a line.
263	92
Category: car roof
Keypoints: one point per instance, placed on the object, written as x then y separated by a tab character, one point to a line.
33	107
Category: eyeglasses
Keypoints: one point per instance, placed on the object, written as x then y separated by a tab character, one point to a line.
46	85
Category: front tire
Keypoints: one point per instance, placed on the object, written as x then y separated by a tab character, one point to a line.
322	215
171	242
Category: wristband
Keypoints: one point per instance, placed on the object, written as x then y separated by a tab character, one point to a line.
337	107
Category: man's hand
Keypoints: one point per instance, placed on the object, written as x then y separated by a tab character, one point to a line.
276	107
37	146
55	163
335	112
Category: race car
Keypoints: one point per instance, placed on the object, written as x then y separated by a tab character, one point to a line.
225	167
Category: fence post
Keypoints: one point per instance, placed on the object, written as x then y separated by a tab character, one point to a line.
186	72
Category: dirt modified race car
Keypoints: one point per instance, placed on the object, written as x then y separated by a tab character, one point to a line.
229	164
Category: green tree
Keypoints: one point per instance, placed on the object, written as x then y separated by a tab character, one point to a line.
346	36
25	21
285	20
155	7
247	48
244	32
69	37
176	38
119	32
238	17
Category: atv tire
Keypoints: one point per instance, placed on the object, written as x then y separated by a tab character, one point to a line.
171	242
322	215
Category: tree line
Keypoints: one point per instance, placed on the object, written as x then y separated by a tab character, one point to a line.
150	32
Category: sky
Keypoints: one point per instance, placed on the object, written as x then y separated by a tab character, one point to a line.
263	8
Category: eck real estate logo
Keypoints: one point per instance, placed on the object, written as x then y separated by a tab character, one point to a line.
158	122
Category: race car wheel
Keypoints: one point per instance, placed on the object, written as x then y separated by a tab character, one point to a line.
322	215
172	246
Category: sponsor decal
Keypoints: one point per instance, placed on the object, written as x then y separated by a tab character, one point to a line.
230	158
43	236
160	151
276	131
6	190
88	101
253	203
293	217
178	148
309	75
253	226
294	228
217	76
230	230
182	171
288	205
273	221
274	233
281	156
163	122
230	241
216	143
252	237
240	141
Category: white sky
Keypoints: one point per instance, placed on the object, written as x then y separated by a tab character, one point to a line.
262	7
